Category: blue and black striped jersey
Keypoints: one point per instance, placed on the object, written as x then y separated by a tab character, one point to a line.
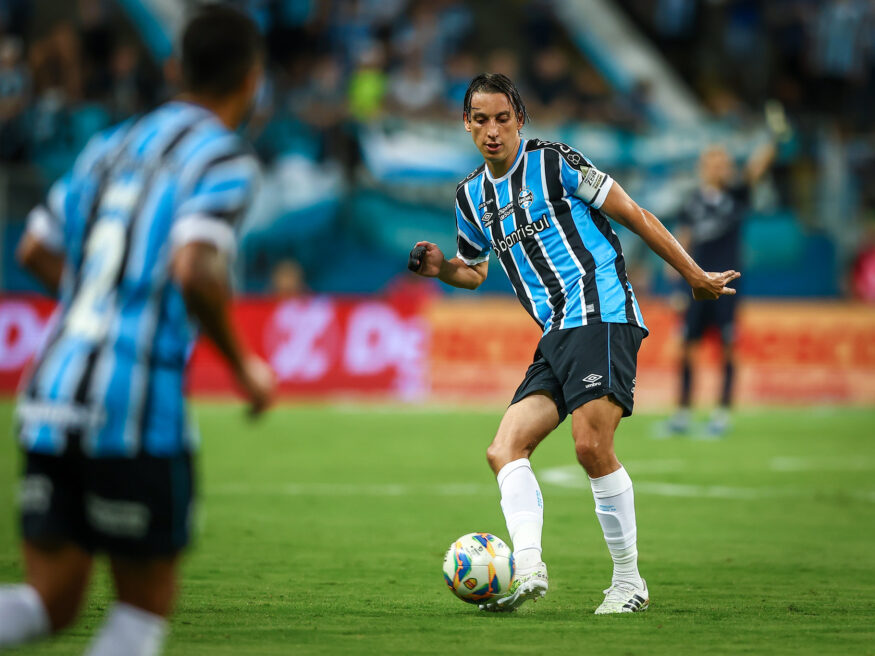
542	221
112	370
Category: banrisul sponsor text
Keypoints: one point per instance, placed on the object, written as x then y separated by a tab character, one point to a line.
523	232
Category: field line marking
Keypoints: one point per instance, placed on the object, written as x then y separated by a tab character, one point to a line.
573	477
564	480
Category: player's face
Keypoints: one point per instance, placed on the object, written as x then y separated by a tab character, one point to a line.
716	167
495	129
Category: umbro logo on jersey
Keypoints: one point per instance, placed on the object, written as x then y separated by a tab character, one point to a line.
594	380
487	219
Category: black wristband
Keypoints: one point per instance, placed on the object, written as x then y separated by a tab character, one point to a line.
415	259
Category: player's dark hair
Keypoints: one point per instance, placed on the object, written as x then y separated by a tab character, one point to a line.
219	47
496	83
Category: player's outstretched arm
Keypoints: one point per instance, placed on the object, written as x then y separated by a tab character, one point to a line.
202	274
426	259
42	262
705	285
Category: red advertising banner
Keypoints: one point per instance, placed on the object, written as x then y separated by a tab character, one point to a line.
24	323
477	349
322	346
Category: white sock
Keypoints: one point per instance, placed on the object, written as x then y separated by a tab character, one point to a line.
523	511
23	615
131	631
615	508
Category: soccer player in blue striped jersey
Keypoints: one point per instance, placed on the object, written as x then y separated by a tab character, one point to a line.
136	238
543	208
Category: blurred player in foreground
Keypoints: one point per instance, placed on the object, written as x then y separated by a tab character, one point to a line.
710	229
136	238
542	207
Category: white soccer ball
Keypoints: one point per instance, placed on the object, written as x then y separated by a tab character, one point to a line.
478	566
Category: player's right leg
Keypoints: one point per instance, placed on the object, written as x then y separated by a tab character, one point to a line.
144	555
137	623
57	575
525	424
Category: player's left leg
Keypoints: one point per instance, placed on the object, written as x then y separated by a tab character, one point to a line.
593	427
137	623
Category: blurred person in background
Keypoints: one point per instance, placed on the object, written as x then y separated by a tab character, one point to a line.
543	208
287	279
863	266
461	67
552	86
415	89
710	229
14	92
368	84
136	238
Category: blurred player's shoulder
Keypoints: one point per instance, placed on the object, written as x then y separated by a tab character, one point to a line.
473	174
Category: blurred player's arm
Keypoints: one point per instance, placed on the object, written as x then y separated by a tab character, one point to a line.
215	199
201	271
44	263
41	249
455	272
705	285
760	162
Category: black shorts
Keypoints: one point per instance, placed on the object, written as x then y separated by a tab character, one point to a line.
577	365
137	507
719	314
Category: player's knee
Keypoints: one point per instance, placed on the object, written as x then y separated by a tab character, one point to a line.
587	452
497	455
592	446
507	448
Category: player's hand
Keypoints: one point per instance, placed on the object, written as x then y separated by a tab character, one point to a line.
714	285
258	382
426	259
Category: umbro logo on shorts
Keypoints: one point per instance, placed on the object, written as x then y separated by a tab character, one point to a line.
593	380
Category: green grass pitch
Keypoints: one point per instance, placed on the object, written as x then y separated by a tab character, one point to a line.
322	530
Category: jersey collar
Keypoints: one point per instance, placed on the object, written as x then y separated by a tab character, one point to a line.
516	163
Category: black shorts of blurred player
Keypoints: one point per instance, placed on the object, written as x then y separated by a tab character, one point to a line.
135	510
128	507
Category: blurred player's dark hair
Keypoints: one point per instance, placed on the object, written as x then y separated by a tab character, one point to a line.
219	47
496	83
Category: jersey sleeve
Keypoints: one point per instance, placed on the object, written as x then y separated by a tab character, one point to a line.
216	200
472	245
47	221
582	179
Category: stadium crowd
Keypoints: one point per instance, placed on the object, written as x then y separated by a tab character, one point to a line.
69	69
